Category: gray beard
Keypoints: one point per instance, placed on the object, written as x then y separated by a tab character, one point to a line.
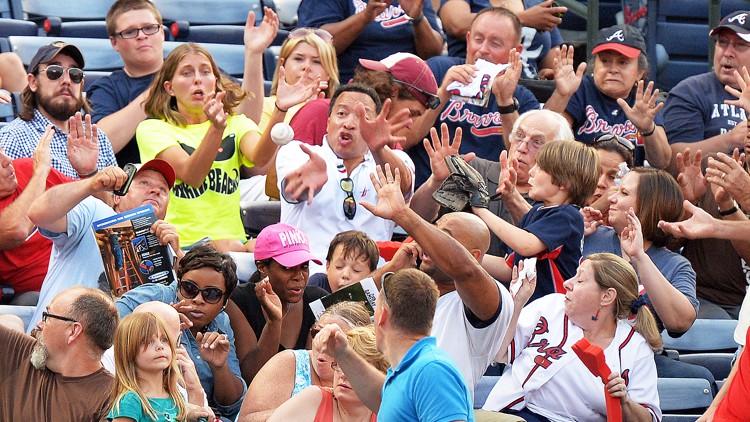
39	356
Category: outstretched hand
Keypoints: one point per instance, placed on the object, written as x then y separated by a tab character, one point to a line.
506	184
691	179
567	79
699	226
631	238
288	96
213	106
442	147
592	218
643	113
258	38
42	155
505	84
381	131
83	144
390	198
743	94
269	300
306	180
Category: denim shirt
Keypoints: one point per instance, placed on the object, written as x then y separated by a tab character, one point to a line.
168	294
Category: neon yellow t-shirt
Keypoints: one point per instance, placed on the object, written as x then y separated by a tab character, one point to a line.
213	209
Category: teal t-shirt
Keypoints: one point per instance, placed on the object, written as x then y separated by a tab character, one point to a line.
130	406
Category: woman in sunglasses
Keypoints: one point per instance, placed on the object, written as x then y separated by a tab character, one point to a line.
339	403
273	314
205	280
192	126
616	98
291	371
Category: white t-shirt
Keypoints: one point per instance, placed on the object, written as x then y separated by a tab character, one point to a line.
472	349
325	218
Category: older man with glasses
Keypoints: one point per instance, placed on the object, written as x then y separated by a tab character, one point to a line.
696	114
58	375
54	97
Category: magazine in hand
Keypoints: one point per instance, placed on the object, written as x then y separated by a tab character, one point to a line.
363	291
132	255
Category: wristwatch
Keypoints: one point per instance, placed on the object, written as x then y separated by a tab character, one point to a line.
418	19
509	108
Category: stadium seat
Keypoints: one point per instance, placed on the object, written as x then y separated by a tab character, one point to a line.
678	396
718	363
98	53
229	57
221	34
258	215
55	27
207	12
11	9
67	10
706	335
10	27
483	388
682	28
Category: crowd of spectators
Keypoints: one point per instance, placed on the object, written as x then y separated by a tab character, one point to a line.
599	214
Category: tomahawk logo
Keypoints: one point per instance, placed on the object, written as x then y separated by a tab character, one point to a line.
739	18
617	35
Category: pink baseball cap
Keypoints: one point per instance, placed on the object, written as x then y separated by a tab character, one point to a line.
412	72
286	244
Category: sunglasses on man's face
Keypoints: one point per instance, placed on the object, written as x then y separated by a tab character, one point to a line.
190	290
55	72
350	205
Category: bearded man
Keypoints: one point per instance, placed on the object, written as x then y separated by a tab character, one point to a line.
59	376
54	97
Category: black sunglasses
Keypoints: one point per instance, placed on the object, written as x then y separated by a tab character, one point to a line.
350	205
133	32
46	315
210	294
55	72
619	139
433	101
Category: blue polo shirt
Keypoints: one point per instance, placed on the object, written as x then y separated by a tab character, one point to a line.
411	393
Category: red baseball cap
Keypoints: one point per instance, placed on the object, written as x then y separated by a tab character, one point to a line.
412	72
286	244
160	166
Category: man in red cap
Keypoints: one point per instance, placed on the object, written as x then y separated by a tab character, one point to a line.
65	214
54	97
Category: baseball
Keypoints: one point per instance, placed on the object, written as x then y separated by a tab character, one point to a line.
282	133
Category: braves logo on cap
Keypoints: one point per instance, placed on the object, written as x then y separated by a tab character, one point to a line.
739	18
619	36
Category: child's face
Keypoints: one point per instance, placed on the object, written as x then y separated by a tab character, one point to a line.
542	188
344	270
155	355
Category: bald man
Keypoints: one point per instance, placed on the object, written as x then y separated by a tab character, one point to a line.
193	389
474	309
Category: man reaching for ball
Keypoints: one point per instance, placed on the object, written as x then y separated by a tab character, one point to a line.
314	180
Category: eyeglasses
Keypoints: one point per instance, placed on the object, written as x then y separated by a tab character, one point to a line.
385	278
46	315
133	32
350	205
607	137
210	294
335	366
433	101
55	72
739	47
303	32
532	144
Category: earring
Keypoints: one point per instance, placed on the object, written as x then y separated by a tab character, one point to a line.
596	317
